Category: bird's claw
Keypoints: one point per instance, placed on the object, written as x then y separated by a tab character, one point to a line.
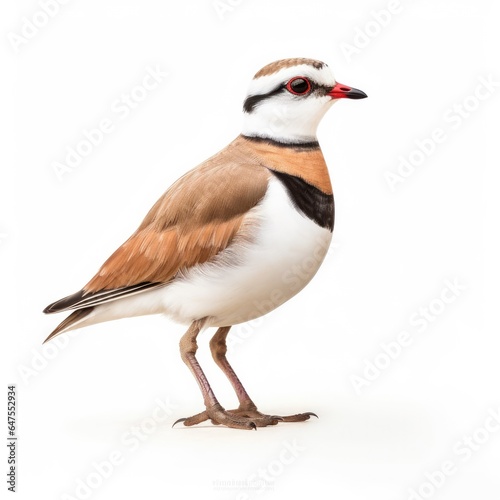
299	417
178	421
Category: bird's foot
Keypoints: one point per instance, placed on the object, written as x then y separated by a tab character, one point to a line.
246	416
249	410
259	419
219	416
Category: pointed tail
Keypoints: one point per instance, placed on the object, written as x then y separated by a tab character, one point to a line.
73	318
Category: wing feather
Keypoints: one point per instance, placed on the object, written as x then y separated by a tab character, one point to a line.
198	217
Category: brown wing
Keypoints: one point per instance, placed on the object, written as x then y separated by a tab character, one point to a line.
192	222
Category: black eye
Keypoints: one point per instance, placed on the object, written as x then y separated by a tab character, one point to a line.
299	85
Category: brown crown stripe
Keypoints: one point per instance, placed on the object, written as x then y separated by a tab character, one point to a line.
307	164
276	66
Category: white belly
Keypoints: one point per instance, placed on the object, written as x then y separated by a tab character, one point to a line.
286	251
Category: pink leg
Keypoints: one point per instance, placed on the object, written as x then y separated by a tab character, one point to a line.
214	411
247	407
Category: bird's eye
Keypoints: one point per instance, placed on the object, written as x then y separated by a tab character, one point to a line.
298	85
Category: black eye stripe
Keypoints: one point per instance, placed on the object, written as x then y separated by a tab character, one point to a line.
253	100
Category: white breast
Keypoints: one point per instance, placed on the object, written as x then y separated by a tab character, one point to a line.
286	250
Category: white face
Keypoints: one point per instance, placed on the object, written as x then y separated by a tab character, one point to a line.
288	105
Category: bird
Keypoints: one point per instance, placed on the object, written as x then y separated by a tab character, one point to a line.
220	246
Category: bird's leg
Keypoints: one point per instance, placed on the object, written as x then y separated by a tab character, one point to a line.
247	407
214	411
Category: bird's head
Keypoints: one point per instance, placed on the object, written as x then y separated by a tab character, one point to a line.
287	99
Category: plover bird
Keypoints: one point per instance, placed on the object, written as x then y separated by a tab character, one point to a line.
220	246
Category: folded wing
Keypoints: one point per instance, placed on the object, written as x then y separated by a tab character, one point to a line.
198	217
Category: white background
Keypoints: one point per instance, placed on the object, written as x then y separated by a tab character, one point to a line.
393	251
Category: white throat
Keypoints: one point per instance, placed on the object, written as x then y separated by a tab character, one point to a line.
285	121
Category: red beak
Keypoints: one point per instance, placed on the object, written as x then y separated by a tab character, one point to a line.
340	90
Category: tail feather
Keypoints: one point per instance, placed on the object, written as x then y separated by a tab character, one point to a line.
73	318
83	299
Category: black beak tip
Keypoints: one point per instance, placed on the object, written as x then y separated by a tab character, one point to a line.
356	94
